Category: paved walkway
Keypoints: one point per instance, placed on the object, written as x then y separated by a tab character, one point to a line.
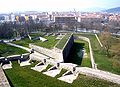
98	40
3	80
99	74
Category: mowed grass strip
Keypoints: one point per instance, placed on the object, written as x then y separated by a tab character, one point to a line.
47	44
62	42
25	77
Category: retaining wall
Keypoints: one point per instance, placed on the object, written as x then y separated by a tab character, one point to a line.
99	74
67	47
49	52
14	57
37	56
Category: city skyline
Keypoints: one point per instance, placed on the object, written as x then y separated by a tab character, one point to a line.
55	5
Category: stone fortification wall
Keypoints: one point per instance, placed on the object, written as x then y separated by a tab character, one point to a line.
14	57
67	47
49	52
58	54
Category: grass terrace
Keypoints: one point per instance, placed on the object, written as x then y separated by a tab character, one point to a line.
7	50
25	77
47	44
62	42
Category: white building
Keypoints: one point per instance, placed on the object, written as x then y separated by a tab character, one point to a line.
12	17
33	16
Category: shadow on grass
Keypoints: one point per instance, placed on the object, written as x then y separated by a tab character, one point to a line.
76	54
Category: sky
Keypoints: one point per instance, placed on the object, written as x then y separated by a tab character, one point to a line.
55	5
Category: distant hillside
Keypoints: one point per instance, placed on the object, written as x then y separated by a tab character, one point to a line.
93	9
113	10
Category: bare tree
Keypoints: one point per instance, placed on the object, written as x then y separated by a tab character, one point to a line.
107	41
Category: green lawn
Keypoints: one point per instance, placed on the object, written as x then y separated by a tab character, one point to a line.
62	42
102	61
24	42
25	77
48	44
7	50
